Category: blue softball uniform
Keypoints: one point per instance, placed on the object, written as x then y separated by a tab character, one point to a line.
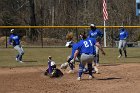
87	46
123	34
14	39
95	33
87	50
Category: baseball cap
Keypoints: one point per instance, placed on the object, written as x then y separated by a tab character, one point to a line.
121	26
12	31
68	43
93	25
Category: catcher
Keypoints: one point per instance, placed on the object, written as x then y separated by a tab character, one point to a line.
52	71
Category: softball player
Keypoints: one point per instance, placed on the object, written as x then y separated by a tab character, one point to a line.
15	42
123	35
70	61
96	34
52	70
87	51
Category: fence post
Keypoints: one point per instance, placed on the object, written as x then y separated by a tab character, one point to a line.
42	39
77	34
112	38
6	40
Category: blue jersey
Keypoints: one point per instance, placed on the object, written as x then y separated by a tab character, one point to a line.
14	39
123	34
74	48
95	33
87	46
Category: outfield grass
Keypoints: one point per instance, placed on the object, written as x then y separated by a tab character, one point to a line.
38	56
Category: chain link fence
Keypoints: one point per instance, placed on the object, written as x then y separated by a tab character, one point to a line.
56	37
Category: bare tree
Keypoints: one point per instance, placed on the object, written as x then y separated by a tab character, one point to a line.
33	33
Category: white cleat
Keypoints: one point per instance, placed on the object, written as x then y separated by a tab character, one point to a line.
71	71
90	77
119	56
96	70
21	62
16	59
97	64
79	78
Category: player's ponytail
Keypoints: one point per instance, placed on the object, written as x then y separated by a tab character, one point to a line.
83	36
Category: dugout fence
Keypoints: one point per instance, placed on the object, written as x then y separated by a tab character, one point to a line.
55	36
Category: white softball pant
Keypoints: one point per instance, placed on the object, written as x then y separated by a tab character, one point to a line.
122	44
85	58
19	49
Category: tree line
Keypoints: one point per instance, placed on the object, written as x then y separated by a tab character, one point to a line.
67	12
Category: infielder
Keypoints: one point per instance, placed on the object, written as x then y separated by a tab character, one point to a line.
123	35
87	51
14	40
71	44
96	34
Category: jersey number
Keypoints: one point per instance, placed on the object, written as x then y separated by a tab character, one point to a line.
88	44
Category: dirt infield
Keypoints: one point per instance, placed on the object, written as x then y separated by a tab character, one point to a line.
117	78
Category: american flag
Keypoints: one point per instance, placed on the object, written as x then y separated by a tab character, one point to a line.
105	14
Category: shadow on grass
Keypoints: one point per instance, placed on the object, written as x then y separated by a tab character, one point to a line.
133	57
111	78
26	61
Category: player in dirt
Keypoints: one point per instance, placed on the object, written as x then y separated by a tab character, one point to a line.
87	51
14	40
123	35
52	70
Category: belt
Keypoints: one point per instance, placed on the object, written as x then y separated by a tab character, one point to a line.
87	54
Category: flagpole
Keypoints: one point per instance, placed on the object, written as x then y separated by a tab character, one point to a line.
104	34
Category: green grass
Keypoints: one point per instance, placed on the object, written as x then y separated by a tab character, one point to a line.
112	54
38	56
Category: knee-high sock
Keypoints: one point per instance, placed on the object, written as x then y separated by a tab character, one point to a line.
20	56
17	56
97	56
81	67
125	52
120	51
90	69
